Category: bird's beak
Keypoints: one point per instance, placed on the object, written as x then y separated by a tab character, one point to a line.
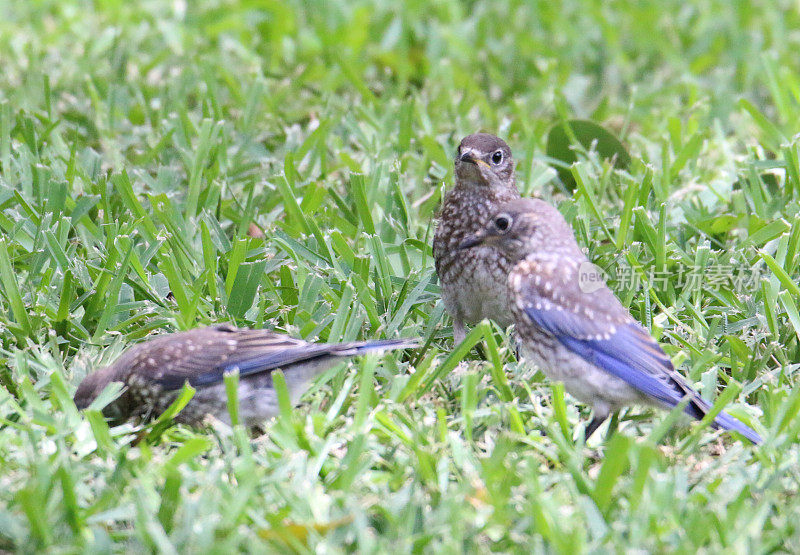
468	157
473	240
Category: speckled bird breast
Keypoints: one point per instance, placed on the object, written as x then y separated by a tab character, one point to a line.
473	281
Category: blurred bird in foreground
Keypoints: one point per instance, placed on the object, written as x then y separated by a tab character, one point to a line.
155	371
474	282
572	326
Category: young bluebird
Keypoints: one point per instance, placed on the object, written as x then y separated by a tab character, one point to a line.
153	372
474	282
574	328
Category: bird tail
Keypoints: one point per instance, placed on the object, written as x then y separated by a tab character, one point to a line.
299	375
727	422
699	407
378	345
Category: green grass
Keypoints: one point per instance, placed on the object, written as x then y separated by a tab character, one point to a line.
139	143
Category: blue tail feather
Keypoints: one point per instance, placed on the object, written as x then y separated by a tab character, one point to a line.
726	421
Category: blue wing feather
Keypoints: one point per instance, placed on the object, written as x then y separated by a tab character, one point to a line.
629	354
284	358
633	356
607	356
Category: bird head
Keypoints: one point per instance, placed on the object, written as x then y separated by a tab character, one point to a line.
484	160
524	226
91	386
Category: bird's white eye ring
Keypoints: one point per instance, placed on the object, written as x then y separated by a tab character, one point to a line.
497	157
502	222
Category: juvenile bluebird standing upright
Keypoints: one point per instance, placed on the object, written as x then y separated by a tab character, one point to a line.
575	330
154	372
474	282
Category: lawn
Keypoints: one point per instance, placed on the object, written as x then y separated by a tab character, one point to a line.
165	165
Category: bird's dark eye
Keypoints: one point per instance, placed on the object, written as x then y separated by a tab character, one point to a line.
497	157
502	222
